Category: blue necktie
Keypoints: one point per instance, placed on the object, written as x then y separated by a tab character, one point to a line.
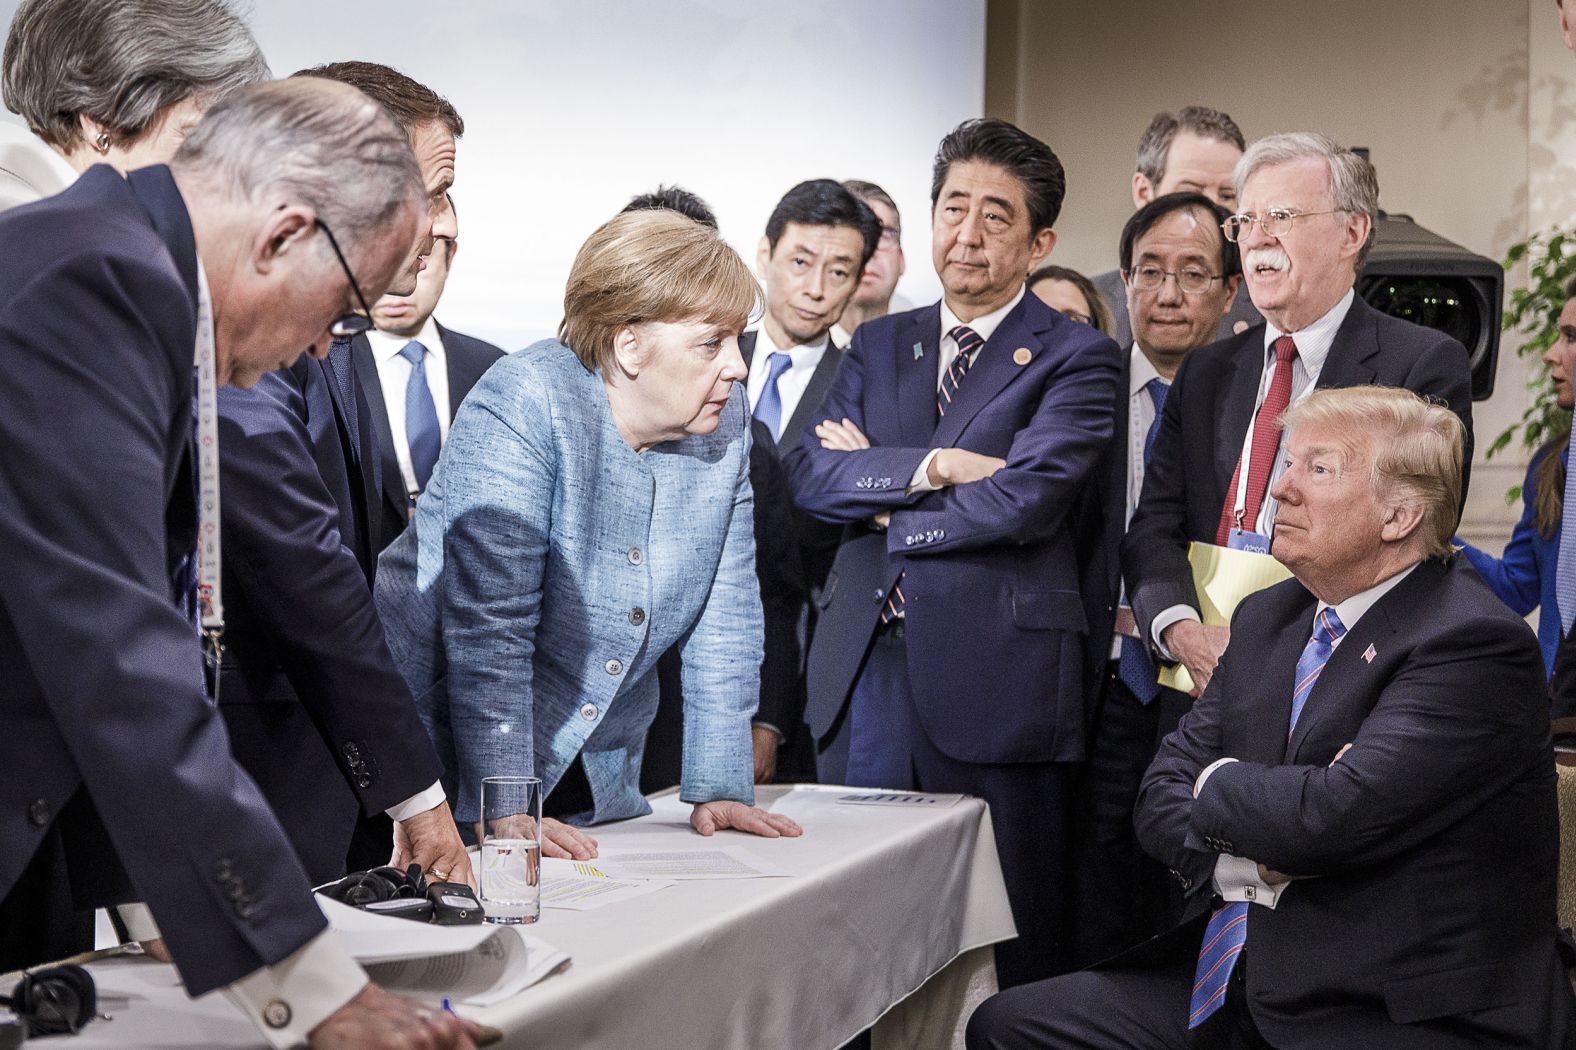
1135	669
1227	932
421	417
185	583
1565	564
769	407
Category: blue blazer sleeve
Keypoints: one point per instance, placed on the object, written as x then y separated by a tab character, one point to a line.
1516	577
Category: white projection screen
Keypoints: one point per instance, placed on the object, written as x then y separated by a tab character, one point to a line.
573	106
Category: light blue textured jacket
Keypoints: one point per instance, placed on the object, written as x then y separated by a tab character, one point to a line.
549	566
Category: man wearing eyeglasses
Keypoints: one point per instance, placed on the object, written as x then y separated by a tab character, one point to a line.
1181	275
876	295
1305	225
317	711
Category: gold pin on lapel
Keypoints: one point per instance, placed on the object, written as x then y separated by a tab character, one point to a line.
1021	356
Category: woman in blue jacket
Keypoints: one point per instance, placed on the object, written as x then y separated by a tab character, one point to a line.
592	509
1524	576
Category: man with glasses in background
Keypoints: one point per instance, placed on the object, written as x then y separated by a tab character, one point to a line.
1307	208
316	710
876	295
1181	275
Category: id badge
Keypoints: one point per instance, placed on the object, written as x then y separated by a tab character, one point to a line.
1253	542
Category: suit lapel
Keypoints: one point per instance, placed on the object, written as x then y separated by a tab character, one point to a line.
1343	674
1264	730
1236	412
815	391
372	386
747	348
995	367
156	191
915	358
1356	341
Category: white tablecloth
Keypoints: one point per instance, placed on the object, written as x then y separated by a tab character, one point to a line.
883	899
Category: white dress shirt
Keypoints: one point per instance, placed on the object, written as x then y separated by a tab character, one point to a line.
1313	349
984	327
792	384
1237	878
394	376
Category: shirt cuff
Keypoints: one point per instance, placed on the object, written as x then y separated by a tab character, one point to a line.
920	482
1237	879
301	991
138	919
1165	618
768	725
432	798
1198	785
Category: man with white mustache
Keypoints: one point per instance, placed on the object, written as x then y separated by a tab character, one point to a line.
1304	228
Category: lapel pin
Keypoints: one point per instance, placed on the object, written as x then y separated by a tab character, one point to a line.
1021	356
919	351
1369	654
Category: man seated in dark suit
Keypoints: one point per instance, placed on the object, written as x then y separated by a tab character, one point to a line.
811	260
317	711
1362	804
953	640
1192	151
1181	275
415	372
126	301
1306	224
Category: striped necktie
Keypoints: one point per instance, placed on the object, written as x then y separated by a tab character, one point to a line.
969	342
1227	932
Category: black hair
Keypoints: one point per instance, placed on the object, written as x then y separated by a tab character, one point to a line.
1015	151
674	198
1146	218
824	202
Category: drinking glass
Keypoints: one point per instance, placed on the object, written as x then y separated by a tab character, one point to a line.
511	852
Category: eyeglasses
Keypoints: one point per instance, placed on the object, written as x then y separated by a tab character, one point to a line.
352	324
1074	315
890	235
1277	222
1149	278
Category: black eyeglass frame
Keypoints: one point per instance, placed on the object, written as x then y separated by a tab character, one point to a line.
350	325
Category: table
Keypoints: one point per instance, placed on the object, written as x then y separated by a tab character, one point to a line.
885	902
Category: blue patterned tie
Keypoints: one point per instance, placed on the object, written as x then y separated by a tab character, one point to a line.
1565	564
1227	931
769	407
969	342
1135	669
421	416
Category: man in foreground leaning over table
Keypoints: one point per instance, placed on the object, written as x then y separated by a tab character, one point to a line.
1362	800
122	296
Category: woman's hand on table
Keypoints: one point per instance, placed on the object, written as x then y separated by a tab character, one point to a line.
710	817
562	840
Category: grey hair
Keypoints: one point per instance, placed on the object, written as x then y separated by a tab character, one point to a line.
121	62
1154	149
315	142
1354	185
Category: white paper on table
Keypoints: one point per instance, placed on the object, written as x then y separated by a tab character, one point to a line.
565	887
699	862
823	805
898	799
479	965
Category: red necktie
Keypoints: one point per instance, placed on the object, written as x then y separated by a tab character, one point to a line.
1266	445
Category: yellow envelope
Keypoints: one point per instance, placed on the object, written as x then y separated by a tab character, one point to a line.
1223	577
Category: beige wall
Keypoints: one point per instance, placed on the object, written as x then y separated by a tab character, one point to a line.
1464	104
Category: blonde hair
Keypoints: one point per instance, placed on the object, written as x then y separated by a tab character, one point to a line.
654	265
1416	450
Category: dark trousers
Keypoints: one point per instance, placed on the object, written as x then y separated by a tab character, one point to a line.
879	742
1120	895
1115	1009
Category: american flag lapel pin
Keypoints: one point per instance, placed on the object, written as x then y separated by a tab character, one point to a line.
1369	654
919	351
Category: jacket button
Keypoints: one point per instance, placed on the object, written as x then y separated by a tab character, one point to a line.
613	667
363	782
588	712
38	813
637	616
908	541
636	556
276	1013
941	534
879	595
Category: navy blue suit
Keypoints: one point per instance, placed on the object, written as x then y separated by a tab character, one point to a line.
113	755
317	710
991	658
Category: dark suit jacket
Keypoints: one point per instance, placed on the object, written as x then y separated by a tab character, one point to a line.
1432	845
466	358
1111	289
996	624
317	710
1206	419
101	673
